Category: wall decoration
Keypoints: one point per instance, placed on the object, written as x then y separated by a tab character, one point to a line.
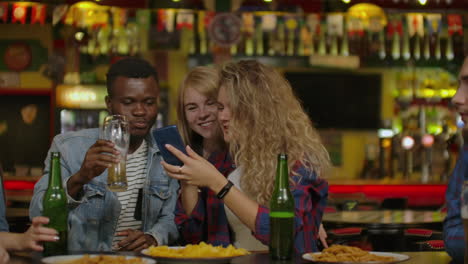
225	29
18	56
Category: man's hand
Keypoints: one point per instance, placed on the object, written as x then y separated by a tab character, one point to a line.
135	241
100	156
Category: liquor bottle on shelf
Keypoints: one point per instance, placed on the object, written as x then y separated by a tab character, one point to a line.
427	48
290	50
322	46
344	45
396	52
406	45
302	47
417	47
271	43
334	45
382	51
437	52
281	39
449	55
259	39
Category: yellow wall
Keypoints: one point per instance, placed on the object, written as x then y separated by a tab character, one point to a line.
178	68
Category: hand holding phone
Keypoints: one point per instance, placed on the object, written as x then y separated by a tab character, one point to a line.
169	135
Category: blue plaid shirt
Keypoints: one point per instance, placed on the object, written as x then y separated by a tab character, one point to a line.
3	221
453	226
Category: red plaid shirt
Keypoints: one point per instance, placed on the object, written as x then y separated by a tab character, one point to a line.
208	221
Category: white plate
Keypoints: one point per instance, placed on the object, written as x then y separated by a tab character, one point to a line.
398	257
67	258
211	260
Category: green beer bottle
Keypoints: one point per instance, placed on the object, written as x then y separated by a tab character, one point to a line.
282	213
55	208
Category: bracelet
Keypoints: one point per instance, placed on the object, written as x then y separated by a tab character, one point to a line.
224	190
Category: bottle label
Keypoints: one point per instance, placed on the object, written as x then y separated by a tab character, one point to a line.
282	214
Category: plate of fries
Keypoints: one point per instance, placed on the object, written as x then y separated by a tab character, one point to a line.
200	253
97	259
347	254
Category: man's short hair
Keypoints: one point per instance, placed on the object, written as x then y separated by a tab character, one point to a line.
130	67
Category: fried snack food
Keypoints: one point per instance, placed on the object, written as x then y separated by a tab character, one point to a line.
201	250
340	253
105	259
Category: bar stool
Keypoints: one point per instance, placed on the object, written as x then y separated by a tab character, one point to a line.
350	236
431	245
421	239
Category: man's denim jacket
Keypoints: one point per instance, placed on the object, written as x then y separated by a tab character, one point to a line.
92	220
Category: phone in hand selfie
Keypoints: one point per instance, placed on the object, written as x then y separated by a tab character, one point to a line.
169	135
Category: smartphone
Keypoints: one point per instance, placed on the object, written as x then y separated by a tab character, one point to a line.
169	135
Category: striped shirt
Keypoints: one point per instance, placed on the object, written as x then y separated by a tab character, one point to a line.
136	171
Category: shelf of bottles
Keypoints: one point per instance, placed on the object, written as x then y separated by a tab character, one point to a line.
382	39
376	36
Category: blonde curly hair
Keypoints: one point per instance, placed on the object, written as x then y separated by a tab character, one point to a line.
203	79
267	119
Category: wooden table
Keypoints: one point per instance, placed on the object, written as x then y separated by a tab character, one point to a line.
433	257
385	228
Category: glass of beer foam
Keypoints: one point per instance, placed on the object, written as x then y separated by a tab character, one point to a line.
115	128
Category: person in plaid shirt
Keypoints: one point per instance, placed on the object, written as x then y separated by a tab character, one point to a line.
454	238
197	113
260	117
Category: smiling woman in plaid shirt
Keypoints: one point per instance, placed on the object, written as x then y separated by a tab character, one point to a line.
260	117
453	226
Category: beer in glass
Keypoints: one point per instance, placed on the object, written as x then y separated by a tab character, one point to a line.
116	129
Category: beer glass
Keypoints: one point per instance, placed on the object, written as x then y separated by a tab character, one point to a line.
116	129
464	215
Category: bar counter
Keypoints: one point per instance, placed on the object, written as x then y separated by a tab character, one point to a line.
433	257
428	195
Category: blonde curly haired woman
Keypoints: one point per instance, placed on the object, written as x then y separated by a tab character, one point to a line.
260	117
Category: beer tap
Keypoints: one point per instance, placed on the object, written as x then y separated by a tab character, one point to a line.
427	141
407	143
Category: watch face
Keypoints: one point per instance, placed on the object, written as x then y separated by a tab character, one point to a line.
17	56
225	29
